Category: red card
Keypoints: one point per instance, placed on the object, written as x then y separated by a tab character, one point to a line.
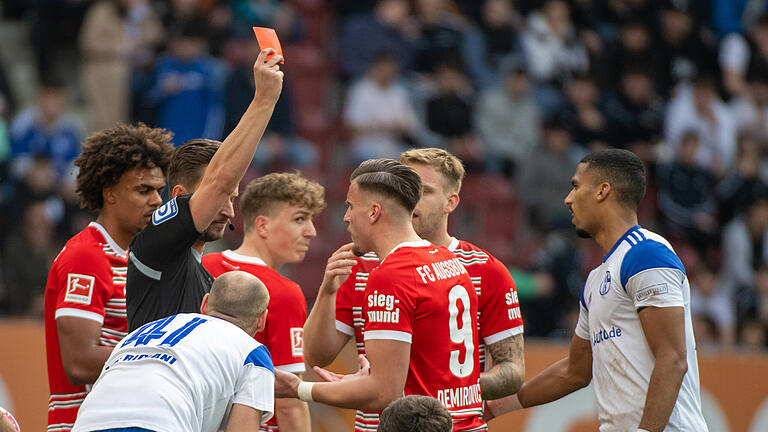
268	39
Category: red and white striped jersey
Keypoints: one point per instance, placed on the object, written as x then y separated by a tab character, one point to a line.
86	280
498	314
283	334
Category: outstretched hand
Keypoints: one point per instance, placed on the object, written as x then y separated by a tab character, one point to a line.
267	77
365	370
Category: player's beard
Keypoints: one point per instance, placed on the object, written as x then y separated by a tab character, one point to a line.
212	234
357	251
583	234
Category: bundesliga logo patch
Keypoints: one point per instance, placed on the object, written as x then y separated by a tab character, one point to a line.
297	341
165	212
79	288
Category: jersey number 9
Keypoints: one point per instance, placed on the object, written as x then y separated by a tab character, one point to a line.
463	334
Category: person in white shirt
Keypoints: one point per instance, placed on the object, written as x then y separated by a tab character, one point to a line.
634	334
190	372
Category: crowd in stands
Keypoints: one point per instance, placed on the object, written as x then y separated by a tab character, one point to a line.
519	89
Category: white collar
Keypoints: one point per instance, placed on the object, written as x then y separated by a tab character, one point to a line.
417	243
234	256
453	244
110	241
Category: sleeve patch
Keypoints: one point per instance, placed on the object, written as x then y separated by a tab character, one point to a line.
260	357
297	341
651	291
166	212
79	288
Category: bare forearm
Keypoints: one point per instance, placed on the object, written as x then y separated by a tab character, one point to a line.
549	385
501	380
320	335
86	367
292	415
364	394
663	388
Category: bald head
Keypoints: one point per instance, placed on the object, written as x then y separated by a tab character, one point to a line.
240	296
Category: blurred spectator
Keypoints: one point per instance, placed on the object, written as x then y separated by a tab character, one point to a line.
449	111
188	87
635	114
441	35
507	120
26	257
581	114
379	112
494	40
683	51
553	52
705	332
708	300
276	14
745	247
545	178
730	16
761	291
387	28
7	99
742	58
116	35
743	183
753	336
698	108
686	199
46	129
631	51
751	109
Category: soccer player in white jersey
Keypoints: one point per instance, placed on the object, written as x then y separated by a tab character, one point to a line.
190	372
634	334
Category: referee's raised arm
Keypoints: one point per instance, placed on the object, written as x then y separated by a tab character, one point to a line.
231	160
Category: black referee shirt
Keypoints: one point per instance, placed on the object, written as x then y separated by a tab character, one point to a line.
165	275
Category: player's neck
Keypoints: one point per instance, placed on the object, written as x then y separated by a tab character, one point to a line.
389	237
199	246
613	227
259	250
439	238
112	226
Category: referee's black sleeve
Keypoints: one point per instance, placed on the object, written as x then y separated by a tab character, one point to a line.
169	234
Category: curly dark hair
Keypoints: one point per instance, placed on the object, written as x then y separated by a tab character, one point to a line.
109	153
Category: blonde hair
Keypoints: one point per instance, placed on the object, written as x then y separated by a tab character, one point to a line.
262	193
447	164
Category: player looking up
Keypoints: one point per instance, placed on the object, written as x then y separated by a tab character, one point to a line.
634	335
121	174
420	309
500	324
165	274
190	372
277	219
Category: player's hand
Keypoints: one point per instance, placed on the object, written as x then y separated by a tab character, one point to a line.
267	77
286	384
338	269
365	370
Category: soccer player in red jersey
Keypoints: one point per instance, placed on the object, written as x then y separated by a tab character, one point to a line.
277	218
122	171
500	324
420	306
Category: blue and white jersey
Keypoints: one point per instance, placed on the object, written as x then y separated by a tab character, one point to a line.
180	373
641	270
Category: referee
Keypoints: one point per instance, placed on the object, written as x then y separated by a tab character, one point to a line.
165	276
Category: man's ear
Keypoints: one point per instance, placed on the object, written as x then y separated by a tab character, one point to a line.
178	190
108	194
261	225
204	305
374	211
453	202
262	321
603	191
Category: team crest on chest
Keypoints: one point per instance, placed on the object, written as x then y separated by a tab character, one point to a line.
606	285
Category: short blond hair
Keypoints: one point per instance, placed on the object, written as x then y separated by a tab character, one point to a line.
447	164
263	193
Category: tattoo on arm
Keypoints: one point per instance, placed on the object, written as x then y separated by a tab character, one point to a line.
506	375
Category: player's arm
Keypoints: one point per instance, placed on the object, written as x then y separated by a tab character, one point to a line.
322	341
292	415
231	160
560	379
388	371
81	355
506	375
243	418
664	329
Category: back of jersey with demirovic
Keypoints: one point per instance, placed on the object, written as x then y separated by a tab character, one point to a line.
180	373
165	275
